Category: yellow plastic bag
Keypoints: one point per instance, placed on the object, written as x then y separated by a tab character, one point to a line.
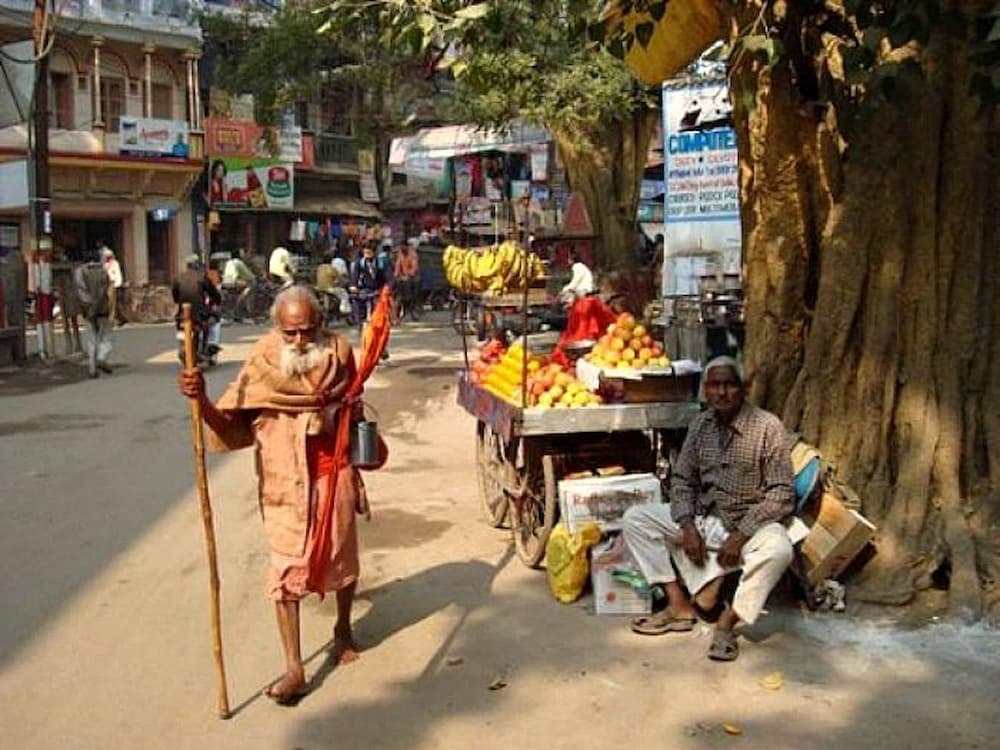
566	560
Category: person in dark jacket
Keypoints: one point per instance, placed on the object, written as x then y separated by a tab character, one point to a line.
193	287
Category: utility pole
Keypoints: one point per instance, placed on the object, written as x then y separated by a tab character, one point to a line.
41	216
40	268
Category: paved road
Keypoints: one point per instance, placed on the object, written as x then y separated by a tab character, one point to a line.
104	628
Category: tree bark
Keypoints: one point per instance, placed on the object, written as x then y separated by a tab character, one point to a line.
871	278
608	173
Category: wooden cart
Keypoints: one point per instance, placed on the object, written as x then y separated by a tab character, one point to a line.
521	454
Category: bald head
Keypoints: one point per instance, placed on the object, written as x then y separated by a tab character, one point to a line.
298	299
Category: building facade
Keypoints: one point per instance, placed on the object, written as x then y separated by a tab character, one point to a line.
125	136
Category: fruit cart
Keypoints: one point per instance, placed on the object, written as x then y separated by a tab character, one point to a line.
522	453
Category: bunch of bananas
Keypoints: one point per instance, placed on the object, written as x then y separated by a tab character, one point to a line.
497	269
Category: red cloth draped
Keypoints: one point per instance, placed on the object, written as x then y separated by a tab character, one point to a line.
589	318
374	339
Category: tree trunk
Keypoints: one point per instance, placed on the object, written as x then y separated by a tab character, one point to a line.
871	300
608	174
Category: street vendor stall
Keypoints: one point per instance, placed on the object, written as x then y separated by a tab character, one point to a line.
523	453
592	409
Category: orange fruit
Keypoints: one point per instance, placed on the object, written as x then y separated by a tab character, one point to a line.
626	320
635	344
645	353
657	349
628	355
617	343
613	357
647	340
639	330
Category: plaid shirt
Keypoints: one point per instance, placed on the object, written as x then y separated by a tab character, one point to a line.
741	473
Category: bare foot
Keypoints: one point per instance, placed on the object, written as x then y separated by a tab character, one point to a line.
289	689
344	650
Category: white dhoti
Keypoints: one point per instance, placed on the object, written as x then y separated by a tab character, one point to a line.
655	541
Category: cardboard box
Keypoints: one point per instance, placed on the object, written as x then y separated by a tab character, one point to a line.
836	537
611	596
604	500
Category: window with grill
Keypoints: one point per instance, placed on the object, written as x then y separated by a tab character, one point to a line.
112	102
162	95
61	101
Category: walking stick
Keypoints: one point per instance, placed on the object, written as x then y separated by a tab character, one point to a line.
201	479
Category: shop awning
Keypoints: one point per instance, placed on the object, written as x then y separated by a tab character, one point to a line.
336	205
455	140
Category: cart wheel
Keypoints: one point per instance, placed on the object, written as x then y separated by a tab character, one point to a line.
490	466
534	514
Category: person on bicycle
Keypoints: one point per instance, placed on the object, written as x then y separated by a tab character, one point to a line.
406	275
193	287
331	281
280	267
237	279
366	281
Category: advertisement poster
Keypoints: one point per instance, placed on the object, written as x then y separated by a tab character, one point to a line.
238	182
701	196
540	162
147	136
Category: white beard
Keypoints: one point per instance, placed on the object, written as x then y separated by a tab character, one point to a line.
296	362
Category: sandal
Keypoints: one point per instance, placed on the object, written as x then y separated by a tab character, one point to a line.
663	622
724	646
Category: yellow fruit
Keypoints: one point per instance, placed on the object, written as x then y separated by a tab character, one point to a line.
582	398
639	331
556	392
628	355
573	389
545	400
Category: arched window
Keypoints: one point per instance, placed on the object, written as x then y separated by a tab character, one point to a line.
114	80
62	90
163	84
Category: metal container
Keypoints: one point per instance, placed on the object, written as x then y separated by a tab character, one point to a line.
365	445
578	349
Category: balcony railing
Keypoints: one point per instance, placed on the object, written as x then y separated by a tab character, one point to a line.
340	150
176	16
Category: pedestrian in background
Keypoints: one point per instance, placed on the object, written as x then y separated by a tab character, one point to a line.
114	271
92	290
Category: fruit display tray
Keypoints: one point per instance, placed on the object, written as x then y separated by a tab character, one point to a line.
508	420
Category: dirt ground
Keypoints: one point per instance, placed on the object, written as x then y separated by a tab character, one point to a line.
104	636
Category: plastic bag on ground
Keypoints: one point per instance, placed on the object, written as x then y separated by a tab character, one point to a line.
566	560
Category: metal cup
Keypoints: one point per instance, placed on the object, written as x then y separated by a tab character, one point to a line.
364	445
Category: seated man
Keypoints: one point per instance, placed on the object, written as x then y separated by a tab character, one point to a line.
730	492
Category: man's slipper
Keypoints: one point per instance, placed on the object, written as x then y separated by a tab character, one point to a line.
724	646
663	622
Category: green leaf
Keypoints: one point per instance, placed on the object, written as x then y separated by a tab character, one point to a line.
426	23
472	12
459	68
994	32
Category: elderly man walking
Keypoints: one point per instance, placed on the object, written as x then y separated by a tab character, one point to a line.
285	402
729	494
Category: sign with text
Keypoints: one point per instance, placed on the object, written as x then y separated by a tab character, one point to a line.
226	138
701	190
149	136
238	182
